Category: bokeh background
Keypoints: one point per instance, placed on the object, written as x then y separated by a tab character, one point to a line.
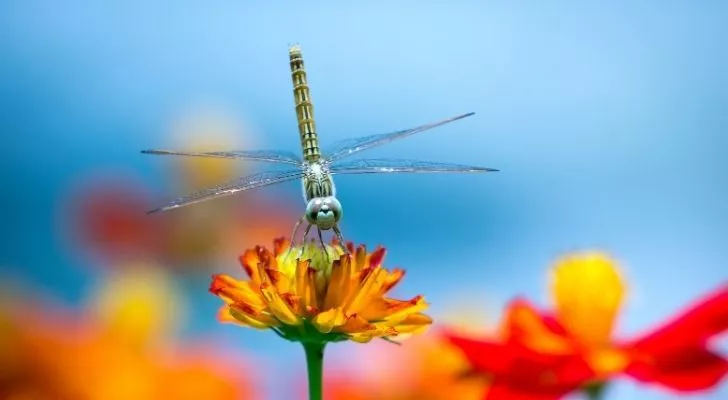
608	123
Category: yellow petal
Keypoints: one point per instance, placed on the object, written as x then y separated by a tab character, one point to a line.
279	307
393	311
258	322
367	289
324	322
281	281
414	323
355	324
416	320
588	292
361	337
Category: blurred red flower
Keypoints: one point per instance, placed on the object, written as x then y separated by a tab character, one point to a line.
677	354
109	220
546	355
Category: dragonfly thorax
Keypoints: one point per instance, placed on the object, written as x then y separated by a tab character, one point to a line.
324	212
317	182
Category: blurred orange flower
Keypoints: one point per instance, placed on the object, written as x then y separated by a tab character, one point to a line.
309	298
539	355
424	368
48	352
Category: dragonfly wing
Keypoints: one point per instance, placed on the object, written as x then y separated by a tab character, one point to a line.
271	156
348	147
238	185
383	166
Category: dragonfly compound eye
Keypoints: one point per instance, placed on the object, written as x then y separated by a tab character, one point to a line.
324	212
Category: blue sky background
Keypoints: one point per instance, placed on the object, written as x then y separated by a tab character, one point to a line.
608	122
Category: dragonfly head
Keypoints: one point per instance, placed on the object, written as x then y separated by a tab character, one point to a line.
324	212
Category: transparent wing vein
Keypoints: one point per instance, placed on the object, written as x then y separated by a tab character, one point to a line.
238	185
271	156
383	166
348	147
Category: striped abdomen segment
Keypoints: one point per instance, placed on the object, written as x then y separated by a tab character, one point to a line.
304	107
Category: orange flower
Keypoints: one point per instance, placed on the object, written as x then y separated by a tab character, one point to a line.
311	299
48	352
541	355
426	367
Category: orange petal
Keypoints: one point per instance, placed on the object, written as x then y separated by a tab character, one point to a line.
360	258
523	324
355	324
414	305
313	294
607	361
223	280
340	282
223	315
305	286
392	279
364	295
416	319
375	259
249	261
234	291
280	246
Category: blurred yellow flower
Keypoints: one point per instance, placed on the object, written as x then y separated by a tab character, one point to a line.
588	292
573	284
139	303
206	130
312	299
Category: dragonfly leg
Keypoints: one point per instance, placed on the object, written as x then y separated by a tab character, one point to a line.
295	230
303	243
293	235
323	245
340	237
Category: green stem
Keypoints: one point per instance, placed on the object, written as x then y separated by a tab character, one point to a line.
315	366
595	390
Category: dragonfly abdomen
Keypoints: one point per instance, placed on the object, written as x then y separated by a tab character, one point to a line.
304	107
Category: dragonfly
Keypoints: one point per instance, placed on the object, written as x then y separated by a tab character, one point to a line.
314	167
